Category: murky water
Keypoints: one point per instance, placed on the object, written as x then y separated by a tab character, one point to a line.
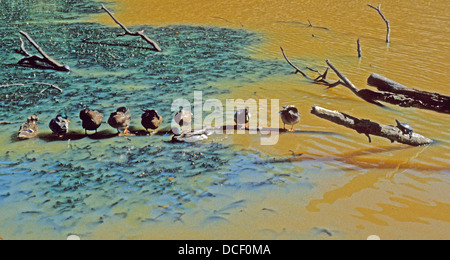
229	186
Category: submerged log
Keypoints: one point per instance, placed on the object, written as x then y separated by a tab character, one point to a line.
408	97
130	33
32	60
367	127
396	94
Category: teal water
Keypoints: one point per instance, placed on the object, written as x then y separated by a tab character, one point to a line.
227	187
89	186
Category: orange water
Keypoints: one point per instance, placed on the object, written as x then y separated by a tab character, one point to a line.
391	190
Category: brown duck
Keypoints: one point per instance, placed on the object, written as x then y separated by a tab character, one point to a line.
120	119
151	120
29	129
290	116
92	120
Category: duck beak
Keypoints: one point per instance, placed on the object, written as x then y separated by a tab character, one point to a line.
68	121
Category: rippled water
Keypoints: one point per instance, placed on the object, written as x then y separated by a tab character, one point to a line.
229	186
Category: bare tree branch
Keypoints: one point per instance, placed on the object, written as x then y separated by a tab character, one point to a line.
49	86
358	43
388	33
33	59
321	79
130	33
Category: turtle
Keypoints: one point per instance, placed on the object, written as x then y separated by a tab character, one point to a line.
405	128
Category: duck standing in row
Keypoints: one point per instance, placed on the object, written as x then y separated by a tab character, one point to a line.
91	120
184	118
29	129
151	120
242	117
120	119
59	125
290	116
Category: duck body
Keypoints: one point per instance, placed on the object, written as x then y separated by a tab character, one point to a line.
151	120
29	129
59	125
290	116
183	118
190	137
242	117
120	119
92	120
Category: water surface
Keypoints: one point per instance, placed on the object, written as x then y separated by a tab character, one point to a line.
230	186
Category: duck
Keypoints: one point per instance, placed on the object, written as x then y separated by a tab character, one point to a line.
60	125
151	120
191	136
290	116
184	118
120	119
242	116
92	120
29	129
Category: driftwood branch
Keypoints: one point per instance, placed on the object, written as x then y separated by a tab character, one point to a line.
309	25
49	86
396	94
321	79
367	127
388	33
9	123
32	60
317	27
130	33
297	69
364	94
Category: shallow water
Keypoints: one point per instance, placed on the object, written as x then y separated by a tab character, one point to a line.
229	186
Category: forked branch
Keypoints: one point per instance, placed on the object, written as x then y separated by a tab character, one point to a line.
321	79
34	60
130	33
